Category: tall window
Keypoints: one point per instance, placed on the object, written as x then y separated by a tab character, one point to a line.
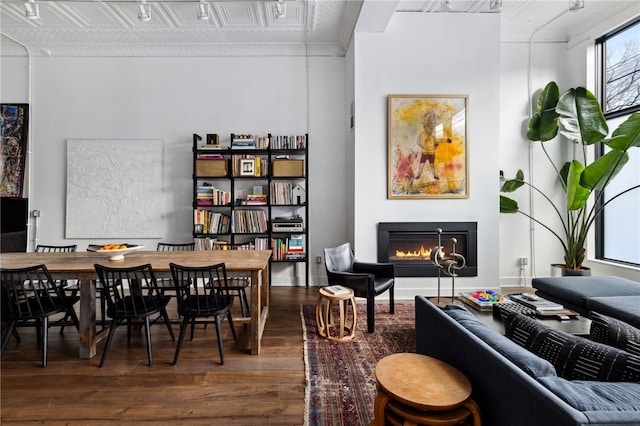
618	229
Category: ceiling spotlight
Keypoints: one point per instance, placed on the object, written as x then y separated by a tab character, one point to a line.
445	6
576	5
31	10
495	5
203	10
280	9
144	11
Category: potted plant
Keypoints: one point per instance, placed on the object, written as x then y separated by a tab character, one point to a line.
577	117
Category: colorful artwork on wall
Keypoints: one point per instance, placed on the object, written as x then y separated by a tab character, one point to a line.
427	146
14	124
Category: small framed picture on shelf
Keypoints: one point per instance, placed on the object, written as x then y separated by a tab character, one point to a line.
247	167
213	140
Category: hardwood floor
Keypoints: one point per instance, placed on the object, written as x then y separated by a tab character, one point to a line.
247	390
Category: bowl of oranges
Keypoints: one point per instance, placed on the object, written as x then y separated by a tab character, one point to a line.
114	251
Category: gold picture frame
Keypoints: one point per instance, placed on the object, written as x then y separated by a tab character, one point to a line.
427	146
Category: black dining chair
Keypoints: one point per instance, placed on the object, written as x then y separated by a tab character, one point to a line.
71	287
32	295
176	247
238	282
166	284
366	279
202	293
131	294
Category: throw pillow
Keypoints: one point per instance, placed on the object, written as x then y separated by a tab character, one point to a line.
574	358
614	332
531	364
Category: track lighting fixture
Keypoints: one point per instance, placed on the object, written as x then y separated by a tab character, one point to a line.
203	10
576	5
31	10
495	5
280	9
445	6
144	11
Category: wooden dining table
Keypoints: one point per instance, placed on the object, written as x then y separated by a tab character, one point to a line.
79	266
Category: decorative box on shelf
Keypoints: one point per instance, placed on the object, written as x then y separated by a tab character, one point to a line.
288	167
211	167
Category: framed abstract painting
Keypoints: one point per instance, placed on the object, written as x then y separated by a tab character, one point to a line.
14	126
427	146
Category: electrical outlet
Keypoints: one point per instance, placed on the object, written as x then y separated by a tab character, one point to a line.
524	261
318	259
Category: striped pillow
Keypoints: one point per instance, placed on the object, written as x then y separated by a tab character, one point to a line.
614	332
574	358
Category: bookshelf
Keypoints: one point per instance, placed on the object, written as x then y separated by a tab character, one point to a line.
253	192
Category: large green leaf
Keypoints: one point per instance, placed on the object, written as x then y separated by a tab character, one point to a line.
511	185
580	117
564	172
543	125
577	195
508	205
627	134
599	173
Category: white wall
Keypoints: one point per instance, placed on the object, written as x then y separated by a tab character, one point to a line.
170	99
520	88
418	54
528	67
421	54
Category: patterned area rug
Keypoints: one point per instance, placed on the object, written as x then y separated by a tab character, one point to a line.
340	376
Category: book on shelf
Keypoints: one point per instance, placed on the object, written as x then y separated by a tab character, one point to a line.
540	305
209	195
207	222
295	244
256	199
289	142
210	157
243	141
293	256
337	290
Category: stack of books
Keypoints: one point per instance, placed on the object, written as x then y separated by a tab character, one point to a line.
295	248
256	199
208	195
243	142
540	305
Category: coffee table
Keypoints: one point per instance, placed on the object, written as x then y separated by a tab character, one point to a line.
418	389
577	325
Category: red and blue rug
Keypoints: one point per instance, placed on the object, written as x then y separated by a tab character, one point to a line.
340	376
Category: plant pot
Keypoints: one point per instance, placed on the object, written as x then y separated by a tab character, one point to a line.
561	270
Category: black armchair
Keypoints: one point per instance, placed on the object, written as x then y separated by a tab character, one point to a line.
366	279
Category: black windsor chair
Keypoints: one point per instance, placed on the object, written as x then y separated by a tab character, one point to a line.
202	292
71	287
31	294
131	294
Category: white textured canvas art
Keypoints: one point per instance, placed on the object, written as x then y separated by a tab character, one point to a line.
114	188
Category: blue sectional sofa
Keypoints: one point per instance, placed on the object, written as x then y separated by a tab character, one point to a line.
613	296
513	386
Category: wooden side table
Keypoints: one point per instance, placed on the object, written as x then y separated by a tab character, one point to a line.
416	389
327	326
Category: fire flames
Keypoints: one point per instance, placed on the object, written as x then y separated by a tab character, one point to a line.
422	254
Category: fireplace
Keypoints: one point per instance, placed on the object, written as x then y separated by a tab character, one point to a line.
408	245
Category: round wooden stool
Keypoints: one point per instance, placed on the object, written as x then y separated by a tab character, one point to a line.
416	389
325	318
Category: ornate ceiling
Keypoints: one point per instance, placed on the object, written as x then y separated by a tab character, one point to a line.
251	28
